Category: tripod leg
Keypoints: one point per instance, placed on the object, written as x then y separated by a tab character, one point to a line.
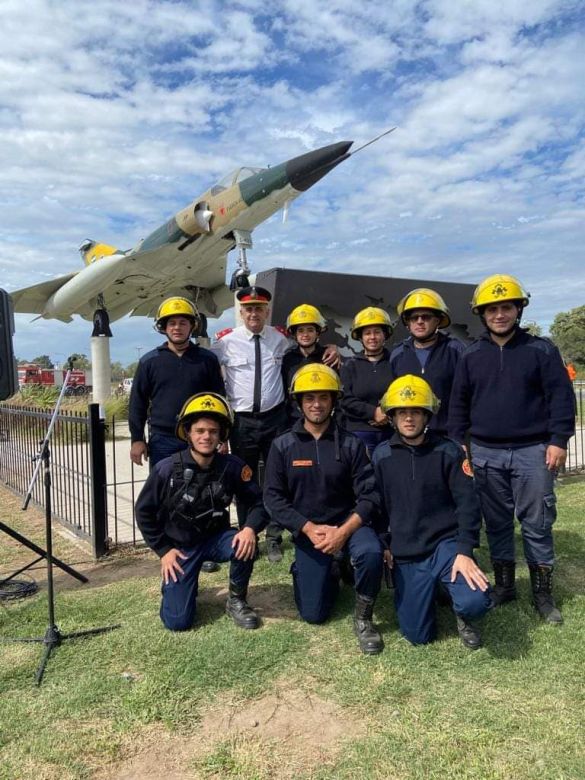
52	639
91	631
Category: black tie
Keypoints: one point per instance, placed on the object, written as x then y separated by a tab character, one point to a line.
257	375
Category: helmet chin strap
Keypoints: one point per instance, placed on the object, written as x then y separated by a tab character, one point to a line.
430	337
502	335
180	344
407	438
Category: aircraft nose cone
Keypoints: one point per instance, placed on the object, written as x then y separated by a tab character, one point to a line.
305	170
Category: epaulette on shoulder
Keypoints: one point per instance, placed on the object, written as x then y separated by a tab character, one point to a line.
220	334
280	329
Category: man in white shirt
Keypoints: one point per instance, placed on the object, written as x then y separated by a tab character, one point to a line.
251	357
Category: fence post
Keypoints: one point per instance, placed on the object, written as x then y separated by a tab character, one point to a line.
97	448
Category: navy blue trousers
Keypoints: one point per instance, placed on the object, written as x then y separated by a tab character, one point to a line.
178	606
250	439
372	438
414	596
161	446
315	589
516	482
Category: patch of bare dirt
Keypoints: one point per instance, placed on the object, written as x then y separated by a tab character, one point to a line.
282	733
286	714
274	601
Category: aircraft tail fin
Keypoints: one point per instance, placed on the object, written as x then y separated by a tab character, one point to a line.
91	251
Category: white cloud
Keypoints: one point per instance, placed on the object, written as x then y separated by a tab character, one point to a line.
119	114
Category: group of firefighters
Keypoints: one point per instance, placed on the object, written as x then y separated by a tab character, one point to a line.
380	466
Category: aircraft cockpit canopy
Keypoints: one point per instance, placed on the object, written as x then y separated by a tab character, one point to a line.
235	177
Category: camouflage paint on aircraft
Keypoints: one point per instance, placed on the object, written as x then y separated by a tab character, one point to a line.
187	256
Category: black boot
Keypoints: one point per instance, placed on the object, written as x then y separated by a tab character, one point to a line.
505	588
369	639
468	633
541	580
239	610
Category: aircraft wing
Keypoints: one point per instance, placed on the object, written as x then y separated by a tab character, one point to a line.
32	300
149	277
134	283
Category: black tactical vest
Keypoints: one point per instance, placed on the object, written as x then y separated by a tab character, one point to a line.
196	500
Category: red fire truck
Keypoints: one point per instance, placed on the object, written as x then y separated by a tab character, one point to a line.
33	374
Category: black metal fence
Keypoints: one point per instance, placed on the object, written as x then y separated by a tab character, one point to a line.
123	484
576	449
95	485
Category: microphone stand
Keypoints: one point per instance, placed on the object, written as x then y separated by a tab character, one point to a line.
53	636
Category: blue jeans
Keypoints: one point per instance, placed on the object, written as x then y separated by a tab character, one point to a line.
516	482
372	438
178	606
314	587
161	446
414	595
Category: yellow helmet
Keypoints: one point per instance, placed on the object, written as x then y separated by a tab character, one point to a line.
175	307
496	289
305	314
409	391
205	405
372	315
424	298
315	378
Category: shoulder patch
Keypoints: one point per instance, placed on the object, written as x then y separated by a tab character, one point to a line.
246	474
220	334
280	329
467	468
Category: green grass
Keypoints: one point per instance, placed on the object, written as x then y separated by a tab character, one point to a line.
514	709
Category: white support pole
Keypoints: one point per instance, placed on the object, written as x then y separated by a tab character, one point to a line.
101	370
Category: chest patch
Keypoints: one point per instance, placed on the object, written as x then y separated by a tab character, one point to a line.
302	462
466	467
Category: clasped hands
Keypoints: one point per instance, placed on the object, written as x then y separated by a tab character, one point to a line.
327	539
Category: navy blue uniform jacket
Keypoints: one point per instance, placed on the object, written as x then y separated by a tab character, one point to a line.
512	396
164	381
323	480
291	362
426	496
364	383
152	517
439	370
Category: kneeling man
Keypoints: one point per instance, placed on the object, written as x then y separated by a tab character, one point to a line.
320	484
183	514
432	517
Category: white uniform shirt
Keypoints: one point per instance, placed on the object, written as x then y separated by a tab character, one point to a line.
236	352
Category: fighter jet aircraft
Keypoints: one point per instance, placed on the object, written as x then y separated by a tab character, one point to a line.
186	256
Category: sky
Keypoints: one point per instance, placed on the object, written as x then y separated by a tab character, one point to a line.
113	116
